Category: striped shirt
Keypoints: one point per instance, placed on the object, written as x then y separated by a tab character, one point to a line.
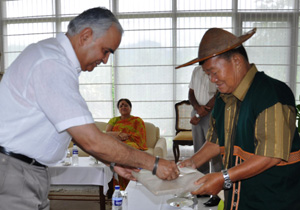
274	126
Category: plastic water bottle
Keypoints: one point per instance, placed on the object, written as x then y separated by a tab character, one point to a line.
68	158
117	199
74	155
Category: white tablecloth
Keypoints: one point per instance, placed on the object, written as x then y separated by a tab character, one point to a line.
86	173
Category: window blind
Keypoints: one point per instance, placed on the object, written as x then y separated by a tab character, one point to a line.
159	35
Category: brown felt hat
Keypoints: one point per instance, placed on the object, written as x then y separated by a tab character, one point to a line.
217	41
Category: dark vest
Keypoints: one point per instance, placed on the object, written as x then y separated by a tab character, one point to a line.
278	187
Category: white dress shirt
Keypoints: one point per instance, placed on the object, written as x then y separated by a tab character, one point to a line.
40	99
204	90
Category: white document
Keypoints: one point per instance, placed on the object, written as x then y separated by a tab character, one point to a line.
184	183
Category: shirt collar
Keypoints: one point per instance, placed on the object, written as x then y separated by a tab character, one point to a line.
70	53
243	87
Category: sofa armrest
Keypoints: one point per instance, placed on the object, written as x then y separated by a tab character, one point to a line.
160	148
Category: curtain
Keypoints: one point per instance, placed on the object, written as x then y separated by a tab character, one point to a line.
159	35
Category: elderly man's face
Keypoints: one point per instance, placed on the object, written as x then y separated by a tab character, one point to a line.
94	52
223	73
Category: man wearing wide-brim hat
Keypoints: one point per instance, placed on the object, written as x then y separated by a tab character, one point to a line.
252	126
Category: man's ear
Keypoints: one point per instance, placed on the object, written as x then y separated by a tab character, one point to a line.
85	36
237	60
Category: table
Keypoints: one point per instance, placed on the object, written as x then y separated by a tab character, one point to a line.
86	173
138	197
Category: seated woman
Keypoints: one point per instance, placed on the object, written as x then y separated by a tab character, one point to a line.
129	129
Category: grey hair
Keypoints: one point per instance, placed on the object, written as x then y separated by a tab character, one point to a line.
99	19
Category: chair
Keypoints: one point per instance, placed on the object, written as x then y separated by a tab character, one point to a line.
157	145
183	127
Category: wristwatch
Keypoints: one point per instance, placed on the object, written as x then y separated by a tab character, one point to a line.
197	115
227	182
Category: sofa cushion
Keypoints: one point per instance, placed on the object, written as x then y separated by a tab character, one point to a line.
184	135
150	135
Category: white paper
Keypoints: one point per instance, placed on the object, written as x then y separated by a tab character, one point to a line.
187	170
184	183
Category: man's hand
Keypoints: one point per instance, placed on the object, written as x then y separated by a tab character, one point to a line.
125	172
123	136
203	110
187	163
210	184
167	170
195	120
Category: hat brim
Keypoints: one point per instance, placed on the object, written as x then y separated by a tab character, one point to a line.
241	39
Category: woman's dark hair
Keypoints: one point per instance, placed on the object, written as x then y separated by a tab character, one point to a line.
124	99
227	55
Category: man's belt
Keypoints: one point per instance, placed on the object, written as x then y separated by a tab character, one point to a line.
23	158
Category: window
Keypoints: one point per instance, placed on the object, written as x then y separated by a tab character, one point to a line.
159	35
